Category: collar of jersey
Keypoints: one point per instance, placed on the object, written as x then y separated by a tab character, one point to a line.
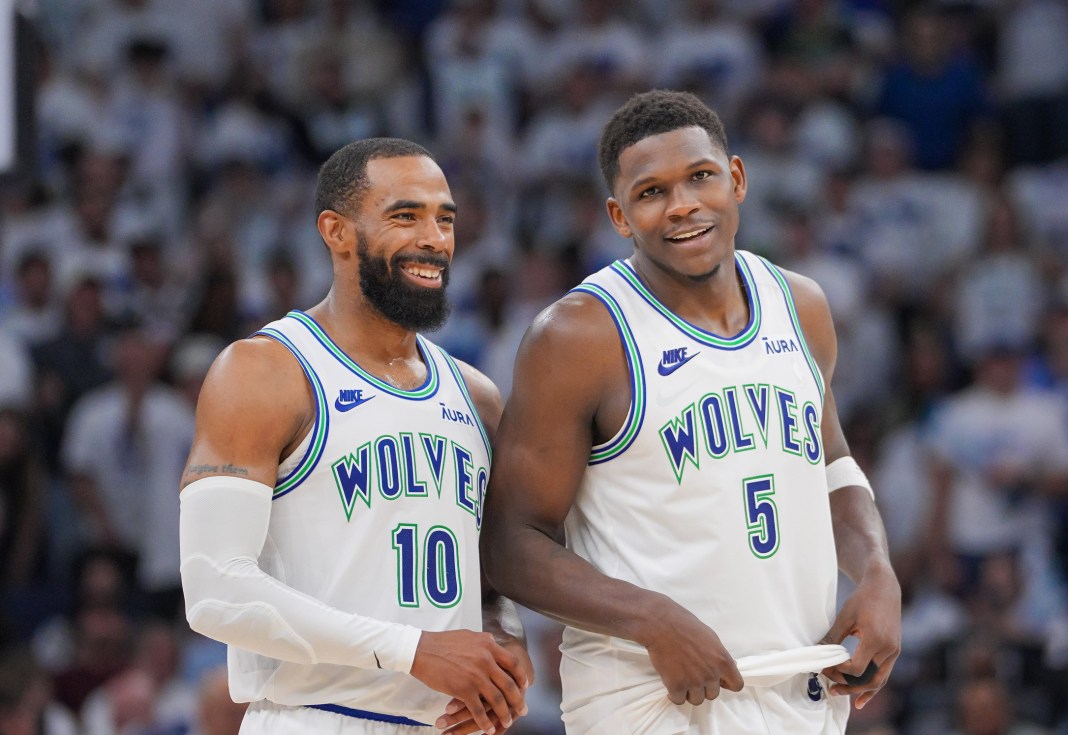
426	390
743	338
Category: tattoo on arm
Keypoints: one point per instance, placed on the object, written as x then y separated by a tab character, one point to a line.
214	469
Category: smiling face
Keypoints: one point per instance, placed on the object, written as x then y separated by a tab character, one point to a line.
404	240
677	196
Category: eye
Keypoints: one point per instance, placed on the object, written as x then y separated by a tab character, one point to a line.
646	193
447	219
702	175
404	216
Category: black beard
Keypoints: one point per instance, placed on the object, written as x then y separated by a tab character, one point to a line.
414	308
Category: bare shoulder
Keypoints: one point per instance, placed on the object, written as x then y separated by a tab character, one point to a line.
254	403
484	393
573	327
815	316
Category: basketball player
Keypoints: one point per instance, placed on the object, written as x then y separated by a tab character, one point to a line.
673	414
333	496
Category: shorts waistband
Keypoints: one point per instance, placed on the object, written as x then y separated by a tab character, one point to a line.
362	714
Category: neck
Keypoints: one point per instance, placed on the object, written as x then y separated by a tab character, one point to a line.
715	301
362	331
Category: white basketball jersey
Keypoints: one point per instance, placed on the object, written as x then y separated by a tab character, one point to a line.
377	512
714	491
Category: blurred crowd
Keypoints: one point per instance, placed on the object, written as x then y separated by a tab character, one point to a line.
912	157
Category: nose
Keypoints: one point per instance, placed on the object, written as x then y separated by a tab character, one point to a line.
435	237
682	202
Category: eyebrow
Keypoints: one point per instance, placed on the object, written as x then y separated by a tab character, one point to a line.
412	204
650	179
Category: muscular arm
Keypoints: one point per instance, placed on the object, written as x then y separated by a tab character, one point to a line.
873	612
569	366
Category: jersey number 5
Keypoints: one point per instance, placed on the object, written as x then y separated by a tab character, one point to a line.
761	515
440	570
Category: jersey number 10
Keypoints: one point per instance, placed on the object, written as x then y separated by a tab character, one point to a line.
439	570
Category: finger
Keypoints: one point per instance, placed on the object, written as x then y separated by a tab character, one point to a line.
695	695
455	705
864	677
712	691
677	696
502	694
464	725
732	679
450	719
522	672
468	726
479	714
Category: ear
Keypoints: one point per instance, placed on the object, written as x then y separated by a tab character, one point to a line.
619	220
741	185
336	231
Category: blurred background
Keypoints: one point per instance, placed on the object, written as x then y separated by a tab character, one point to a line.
910	156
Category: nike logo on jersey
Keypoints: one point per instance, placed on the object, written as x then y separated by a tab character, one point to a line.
350	399
674	359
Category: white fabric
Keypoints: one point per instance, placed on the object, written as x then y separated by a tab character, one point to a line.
224	524
376	514
277	719
629	698
844	472
769	669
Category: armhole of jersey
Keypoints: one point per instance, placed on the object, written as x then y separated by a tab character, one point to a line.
319	430
795	320
636	415
462	384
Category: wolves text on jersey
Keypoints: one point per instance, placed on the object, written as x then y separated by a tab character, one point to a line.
721	423
407	466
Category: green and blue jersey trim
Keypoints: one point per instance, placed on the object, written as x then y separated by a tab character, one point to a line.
795	320
455	370
742	339
426	390
319	430
636	415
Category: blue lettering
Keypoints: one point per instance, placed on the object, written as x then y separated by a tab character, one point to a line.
680	441
742	440
389	471
787	407
434	448
758	401
352	474
413	485
481	483
464	479
813	450
716	440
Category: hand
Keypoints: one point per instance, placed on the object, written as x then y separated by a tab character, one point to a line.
872	614
458	720
688	655
476	670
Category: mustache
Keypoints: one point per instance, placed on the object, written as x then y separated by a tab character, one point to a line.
423	259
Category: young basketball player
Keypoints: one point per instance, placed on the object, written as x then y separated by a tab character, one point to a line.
673	415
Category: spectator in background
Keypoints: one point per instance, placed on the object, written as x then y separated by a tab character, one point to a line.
33	317
999	452
125	444
984	706
937	90
27	705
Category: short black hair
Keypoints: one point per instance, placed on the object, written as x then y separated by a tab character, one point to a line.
343	178
653	113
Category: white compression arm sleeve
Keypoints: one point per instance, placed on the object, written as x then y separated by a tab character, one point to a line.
224	523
